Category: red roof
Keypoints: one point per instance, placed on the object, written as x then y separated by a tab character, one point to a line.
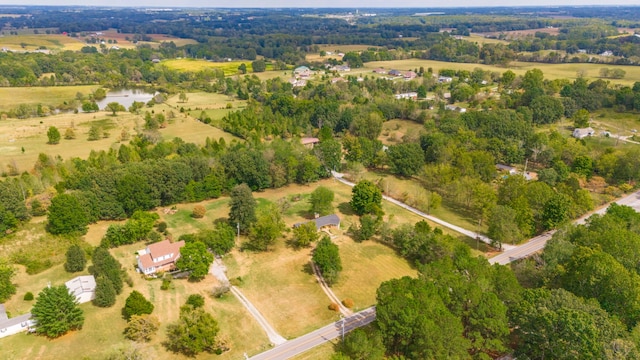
160	249
309	140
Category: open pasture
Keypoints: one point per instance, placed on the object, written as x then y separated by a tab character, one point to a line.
195	65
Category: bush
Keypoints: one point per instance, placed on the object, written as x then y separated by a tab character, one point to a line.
162	227
348	302
28	296
198	211
195	300
166	283
335	307
220	291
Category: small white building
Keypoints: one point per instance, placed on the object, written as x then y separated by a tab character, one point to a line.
408	95
14	325
581	133
83	288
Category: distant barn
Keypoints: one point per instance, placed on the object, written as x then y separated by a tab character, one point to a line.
323	221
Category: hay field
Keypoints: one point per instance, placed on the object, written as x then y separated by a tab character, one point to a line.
10	97
31	42
31	134
195	65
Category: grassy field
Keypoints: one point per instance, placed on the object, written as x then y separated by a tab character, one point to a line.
28	41
195	65
214	105
551	71
10	97
31	134
394	130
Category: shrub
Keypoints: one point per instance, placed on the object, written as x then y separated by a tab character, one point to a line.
195	300
162	227
166	283
335	307
348	302
28	296
198	211
220	291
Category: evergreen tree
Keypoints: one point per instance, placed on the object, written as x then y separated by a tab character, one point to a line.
53	134
105	293
56	312
106	265
136	304
76	259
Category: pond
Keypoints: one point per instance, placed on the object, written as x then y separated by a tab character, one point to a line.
125	97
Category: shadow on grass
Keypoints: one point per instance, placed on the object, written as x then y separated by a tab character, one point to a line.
307	269
346	209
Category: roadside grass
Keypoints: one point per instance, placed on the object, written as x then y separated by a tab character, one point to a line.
10	97
320	352
366	265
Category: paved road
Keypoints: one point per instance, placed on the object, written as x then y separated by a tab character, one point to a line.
299	345
472	234
537	243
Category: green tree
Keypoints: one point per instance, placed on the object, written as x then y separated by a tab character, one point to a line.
195	300
195	332
368	126
136	304
361	344
267	229
242	68
69	134
221	239
182	97
556	211
95	133
546	109
100	94
195	258
141	328
90	106
242	208
366	198
66	216
56	312
581	118
330	153
503	226
105	293
106	265
259	66
321	201
7	288
114	107
326	256
76	259
405	159
53	134
305	234
369	226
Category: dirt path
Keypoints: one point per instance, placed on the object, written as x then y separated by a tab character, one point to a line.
218	270
327	290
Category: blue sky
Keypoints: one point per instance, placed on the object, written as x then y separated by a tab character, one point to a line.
319	3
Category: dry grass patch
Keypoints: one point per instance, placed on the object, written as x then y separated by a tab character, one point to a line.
194	65
320	352
393	131
365	266
10	97
30	42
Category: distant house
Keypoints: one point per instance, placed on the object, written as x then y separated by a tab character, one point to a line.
309	142
409	95
298	82
337	80
445	79
302	72
83	288
14	325
581	133
394	73
409	75
529	175
323	221
380	71
341	68
607	53
455	108
160	256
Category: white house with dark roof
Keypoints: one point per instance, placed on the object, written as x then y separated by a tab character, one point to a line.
160	256
10	326
323	221
83	288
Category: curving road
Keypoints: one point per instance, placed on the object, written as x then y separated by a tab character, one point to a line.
472	234
334	330
537	243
